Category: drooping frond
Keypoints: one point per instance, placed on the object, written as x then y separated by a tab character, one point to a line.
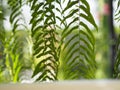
44	34
77	59
14	53
13	44
16	16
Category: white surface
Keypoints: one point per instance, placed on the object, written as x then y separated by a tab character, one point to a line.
66	85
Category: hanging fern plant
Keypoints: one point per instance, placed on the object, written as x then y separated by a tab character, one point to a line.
44	34
73	52
13	45
63	43
77	58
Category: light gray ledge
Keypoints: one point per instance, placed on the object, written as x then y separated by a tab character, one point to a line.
66	85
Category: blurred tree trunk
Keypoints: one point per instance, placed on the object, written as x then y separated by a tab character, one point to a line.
113	37
110	33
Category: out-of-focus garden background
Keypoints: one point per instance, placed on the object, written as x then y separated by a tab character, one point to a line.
104	52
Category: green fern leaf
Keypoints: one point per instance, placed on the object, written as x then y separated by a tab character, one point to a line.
43	34
77	44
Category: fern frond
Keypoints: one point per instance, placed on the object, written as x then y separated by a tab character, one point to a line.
13	46
14	54
16	17
77	41
44	34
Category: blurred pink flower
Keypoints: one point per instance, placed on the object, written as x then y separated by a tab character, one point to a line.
106	8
